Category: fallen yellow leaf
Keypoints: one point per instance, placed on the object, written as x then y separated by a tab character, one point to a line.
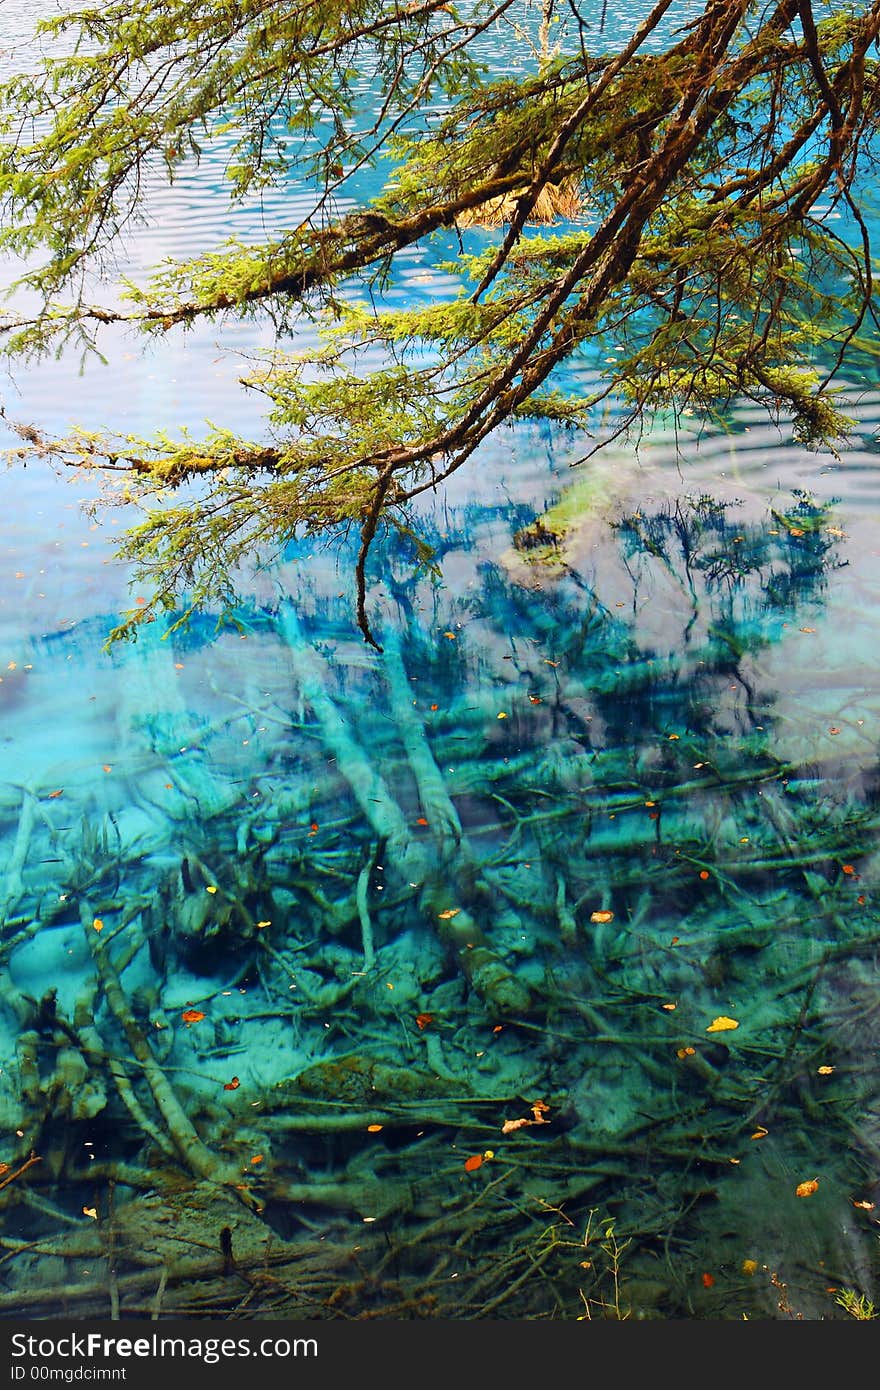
722	1024
510	1126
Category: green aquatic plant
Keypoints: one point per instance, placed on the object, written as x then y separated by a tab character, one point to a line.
858	1305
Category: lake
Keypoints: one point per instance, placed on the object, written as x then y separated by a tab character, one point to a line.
526	969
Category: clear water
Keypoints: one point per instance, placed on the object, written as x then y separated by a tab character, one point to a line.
404	970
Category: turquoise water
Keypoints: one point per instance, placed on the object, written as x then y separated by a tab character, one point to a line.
340	984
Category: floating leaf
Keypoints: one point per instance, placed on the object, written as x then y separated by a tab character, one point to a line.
511	1126
806	1189
192	1016
232	1085
722	1024
450	912
473	1163
602	916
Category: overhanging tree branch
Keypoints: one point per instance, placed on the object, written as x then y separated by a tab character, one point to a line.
699	163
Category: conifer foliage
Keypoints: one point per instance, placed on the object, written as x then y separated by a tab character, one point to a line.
694	166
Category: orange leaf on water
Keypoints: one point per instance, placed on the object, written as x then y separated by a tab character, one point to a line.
510	1126
473	1163
192	1016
